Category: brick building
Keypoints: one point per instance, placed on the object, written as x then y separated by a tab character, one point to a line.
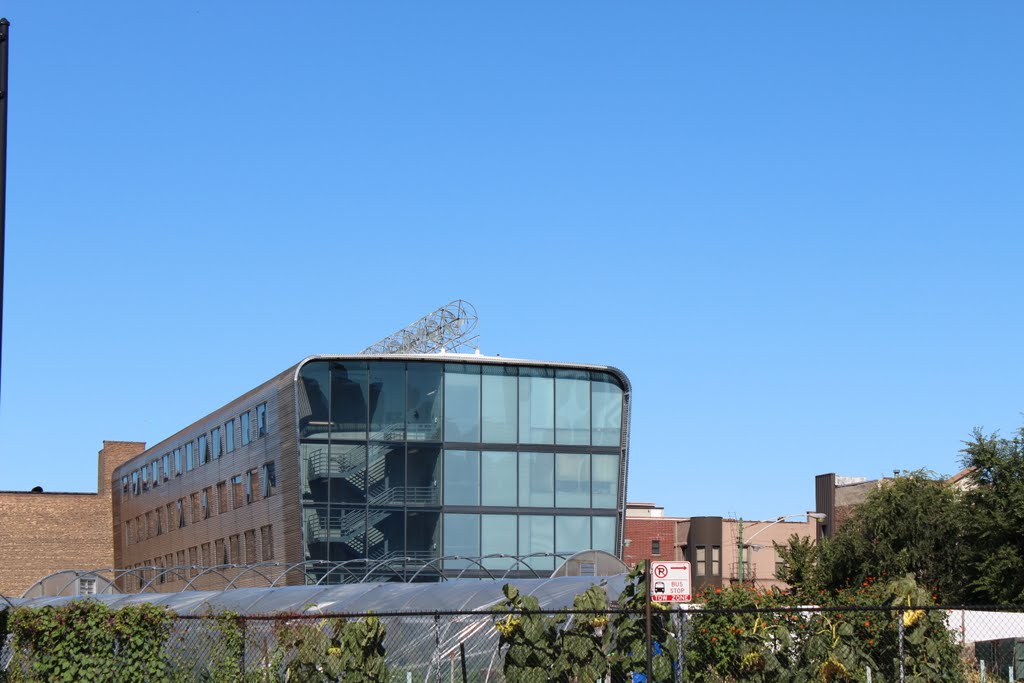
711	544
42	532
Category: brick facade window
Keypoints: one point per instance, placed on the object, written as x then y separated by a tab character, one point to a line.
656	546
269	480
267	542
250	546
235	543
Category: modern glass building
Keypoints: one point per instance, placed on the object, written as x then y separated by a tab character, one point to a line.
414	460
397	466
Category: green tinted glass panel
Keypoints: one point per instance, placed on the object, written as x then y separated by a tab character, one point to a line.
572	407
497	478
537	479
606	397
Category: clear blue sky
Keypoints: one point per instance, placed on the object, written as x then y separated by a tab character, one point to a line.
796	226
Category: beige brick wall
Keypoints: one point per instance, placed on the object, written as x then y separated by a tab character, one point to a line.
41	533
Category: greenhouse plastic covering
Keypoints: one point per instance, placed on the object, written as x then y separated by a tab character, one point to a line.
449	596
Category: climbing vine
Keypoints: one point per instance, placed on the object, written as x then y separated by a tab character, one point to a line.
85	640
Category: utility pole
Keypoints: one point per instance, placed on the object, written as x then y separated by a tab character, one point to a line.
740	544
4	31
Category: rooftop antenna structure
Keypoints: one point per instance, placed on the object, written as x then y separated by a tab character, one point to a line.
448	329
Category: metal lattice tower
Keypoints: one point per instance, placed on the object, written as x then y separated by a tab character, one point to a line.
449	328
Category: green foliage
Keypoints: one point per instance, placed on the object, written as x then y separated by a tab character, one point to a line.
552	647
228	649
629	636
911	525
586	647
993	509
800	564
84	640
329	649
773	644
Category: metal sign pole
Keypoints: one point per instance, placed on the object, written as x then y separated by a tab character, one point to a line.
647	619
4	33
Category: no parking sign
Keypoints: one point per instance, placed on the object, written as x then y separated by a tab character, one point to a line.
670	582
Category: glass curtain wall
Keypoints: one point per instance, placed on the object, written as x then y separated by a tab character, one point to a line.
407	461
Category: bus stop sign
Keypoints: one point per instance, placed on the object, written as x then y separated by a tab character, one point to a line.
670	582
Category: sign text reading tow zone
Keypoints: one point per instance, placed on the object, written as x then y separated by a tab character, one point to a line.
670	582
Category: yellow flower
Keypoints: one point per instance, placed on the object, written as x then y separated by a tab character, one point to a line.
507	626
913	616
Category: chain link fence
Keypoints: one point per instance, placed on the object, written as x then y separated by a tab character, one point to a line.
686	644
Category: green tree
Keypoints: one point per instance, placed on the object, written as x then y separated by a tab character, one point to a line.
911	525
799	565
994	518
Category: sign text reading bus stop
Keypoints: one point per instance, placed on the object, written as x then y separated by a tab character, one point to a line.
670	582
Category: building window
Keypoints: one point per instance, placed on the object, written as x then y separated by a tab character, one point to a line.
780	566
180	511
269	480
205	503
145	477
181	558
87	586
572	480
267	543
177	462
462	403
204	555
204	449
222	498
229	436
135	483
243	421
125	486
461	477
166	466
193	560
716	560
155	467
139	531
261	420
218	550
536	405
498	478
499	393
215	442
189	457
250	546
656	546
251	485
237	494
700	559
197	512
150	525
235	544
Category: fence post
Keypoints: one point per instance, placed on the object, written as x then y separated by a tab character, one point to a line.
899	627
680	619
437	646
241	659
647	619
982	663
